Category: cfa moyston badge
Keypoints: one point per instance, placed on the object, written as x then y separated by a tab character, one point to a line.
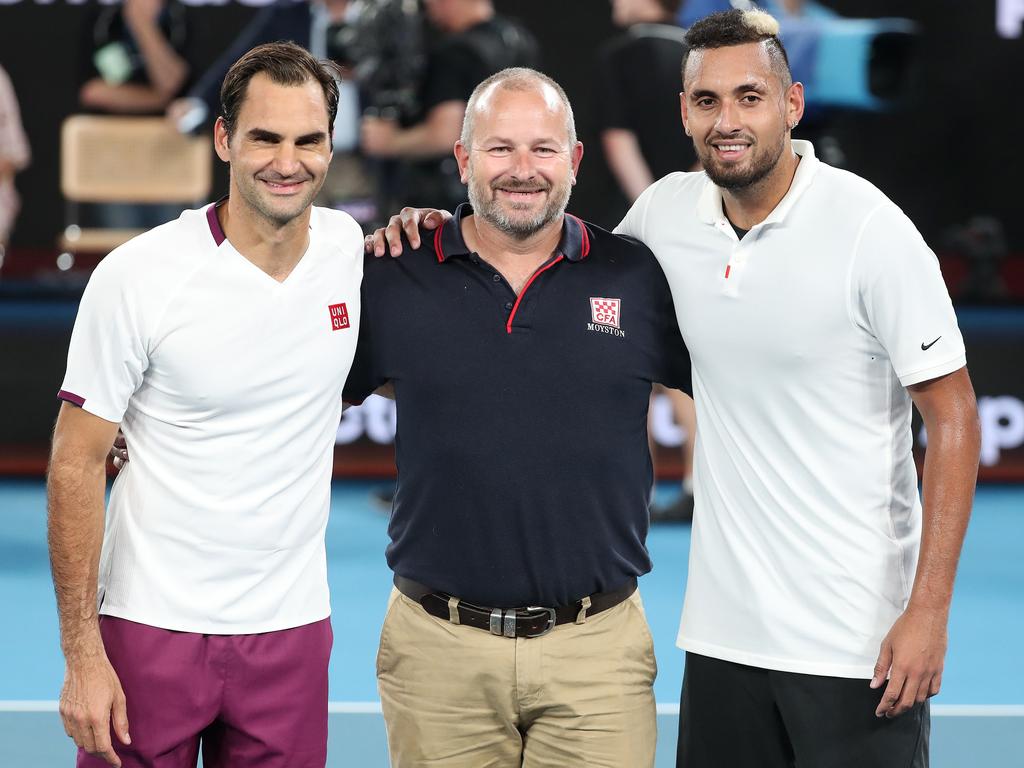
605	311
339	316
605	314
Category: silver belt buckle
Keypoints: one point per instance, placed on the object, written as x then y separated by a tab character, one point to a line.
503	623
550	622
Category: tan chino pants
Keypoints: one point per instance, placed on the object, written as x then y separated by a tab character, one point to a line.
458	697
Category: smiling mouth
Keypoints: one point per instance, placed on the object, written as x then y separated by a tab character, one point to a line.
520	194
730	151
284	186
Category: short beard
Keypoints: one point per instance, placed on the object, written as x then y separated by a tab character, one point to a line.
276	218
759	170
490	210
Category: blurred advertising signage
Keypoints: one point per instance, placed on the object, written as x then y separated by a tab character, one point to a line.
1010	18
994	337
369	430
1002	430
374	421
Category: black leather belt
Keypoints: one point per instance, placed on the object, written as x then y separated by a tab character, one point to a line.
529	621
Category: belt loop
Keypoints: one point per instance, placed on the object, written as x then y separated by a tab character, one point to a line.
581	617
453	610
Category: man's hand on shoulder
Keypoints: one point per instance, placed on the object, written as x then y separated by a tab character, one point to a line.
408	221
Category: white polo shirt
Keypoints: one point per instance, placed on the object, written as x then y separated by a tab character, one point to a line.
803	337
227	384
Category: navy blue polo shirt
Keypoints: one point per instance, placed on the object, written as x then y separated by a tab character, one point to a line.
523	465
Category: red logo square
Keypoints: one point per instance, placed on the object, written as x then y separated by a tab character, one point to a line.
605	311
339	316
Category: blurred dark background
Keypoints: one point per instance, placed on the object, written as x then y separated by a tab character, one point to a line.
948	156
943	148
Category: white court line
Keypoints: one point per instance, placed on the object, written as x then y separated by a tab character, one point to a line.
938	710
978	710
373	708
354	707
28	706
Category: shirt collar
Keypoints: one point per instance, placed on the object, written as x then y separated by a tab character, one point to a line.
709	206
216	231
449	243
211	218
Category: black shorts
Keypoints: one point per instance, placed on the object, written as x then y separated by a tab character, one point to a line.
747	717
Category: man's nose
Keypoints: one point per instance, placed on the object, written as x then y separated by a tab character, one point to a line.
522	163
728	118
286	161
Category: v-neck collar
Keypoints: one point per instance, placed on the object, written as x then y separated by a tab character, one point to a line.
220	239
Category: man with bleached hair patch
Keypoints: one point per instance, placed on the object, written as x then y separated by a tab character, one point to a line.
522	344
819	587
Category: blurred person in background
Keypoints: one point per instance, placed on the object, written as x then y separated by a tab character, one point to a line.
638	116
136	60
475	43
194	609
14	157
637	106
136	57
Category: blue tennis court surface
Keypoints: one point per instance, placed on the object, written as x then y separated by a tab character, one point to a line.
978	719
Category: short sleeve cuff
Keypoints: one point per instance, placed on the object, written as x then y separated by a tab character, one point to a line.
94	407
934	371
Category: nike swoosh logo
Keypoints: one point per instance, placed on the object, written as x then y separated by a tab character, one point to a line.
927	346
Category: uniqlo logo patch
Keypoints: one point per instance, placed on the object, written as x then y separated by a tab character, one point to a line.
339	316
605	311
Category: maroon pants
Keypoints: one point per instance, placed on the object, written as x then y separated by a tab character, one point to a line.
246	700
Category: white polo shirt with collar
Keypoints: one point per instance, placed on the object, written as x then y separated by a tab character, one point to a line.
227	384
803	337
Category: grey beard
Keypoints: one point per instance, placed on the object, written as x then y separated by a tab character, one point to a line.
521	229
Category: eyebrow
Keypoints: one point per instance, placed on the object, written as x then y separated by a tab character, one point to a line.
745	88
261	134
500	141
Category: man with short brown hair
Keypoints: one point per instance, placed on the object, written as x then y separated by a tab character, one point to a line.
194	613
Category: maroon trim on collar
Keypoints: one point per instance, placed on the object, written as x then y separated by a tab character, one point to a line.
437	244
519	298
575	248
448	240
215	228
585	247
71	397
